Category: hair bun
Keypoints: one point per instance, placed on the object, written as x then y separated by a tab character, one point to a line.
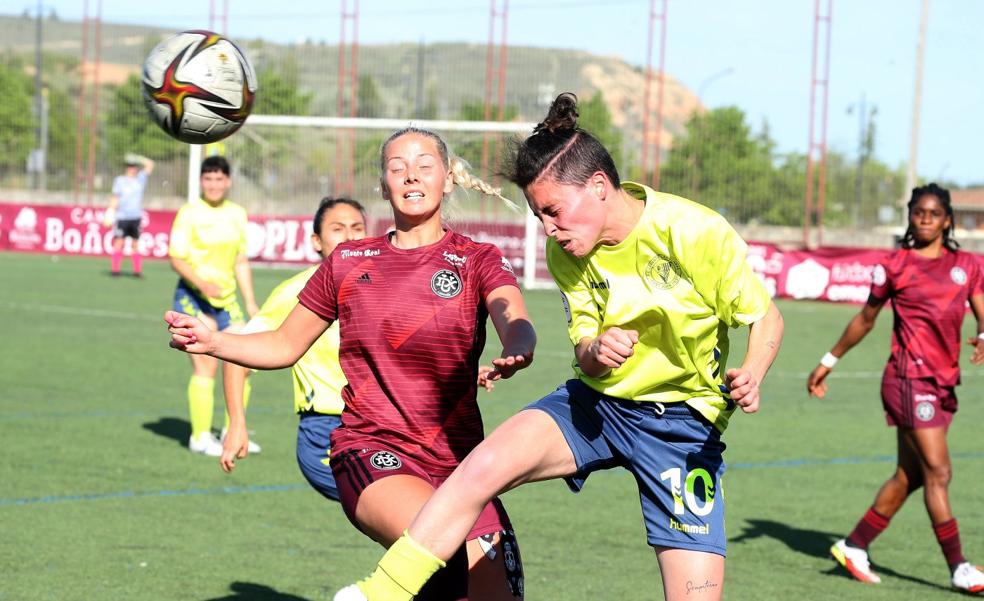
562	114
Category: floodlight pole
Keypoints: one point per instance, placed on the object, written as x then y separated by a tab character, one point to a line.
818	140
910	172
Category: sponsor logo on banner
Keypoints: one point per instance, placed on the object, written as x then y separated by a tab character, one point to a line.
809	279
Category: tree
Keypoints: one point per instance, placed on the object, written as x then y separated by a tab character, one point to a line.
129	128
720	163
17	132
370	103
278	90
478	146
596	119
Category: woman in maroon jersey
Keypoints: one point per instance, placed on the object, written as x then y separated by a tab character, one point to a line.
412	307
929	282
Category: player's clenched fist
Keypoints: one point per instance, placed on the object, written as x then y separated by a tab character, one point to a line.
743	388
614	347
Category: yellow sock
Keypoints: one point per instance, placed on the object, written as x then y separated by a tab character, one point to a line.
247	388
402	572
201	403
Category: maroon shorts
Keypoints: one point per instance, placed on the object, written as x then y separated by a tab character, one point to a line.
917	402
356	469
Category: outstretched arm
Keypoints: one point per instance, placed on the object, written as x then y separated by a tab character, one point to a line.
856	330
508	312
764	339
263	350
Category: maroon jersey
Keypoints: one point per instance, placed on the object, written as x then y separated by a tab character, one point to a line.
929	297
412	326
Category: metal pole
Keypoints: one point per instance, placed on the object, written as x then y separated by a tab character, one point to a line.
910	172
43	166
38	101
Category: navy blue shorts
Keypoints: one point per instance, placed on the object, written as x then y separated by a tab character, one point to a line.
189	301
675	456
313	451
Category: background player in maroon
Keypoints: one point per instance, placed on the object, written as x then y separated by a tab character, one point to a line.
412	307
929	283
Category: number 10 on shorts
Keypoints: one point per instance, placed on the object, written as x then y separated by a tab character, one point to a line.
696	506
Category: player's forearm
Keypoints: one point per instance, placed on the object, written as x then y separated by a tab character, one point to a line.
764	340
519	339
262	350
233	385
856	330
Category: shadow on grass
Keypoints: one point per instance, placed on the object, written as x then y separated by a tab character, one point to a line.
249	591
815	543
176	429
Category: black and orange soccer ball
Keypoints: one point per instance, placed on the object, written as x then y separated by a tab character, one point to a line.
198	86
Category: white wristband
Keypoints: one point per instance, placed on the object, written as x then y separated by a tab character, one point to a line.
981	335
829	361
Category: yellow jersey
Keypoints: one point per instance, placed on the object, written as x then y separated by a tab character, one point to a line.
681	279
209	238
317	375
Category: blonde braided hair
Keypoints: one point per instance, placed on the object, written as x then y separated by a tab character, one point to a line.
463	178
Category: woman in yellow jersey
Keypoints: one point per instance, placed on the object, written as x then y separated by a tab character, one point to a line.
651	283
318	377
208	251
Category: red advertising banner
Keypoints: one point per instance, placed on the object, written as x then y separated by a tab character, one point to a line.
78	230
830	274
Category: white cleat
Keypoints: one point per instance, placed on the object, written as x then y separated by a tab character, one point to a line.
855	561
206	444
252	447
968	577
350	593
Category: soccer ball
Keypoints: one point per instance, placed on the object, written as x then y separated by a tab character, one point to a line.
198	86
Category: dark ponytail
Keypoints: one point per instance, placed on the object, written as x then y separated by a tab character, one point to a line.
909	239
559	150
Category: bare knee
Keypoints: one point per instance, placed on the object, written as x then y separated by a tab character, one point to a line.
938	475
485	469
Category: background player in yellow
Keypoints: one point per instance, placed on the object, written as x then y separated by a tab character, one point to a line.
651	283
317	375
208	251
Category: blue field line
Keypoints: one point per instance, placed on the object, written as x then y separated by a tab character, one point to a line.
22	415
746	465
233	490
126	494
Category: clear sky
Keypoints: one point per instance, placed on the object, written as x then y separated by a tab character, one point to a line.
751	53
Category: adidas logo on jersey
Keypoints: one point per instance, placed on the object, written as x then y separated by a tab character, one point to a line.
364	279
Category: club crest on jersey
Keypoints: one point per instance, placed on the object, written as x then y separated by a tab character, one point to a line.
446	283
878	276
925	411
958	275
663	273
384	460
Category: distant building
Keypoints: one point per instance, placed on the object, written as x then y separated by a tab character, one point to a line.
968	208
